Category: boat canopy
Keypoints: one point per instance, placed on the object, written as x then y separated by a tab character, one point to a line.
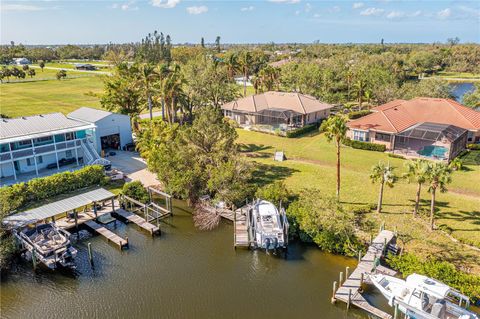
432	287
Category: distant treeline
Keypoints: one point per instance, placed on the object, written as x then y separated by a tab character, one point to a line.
429	58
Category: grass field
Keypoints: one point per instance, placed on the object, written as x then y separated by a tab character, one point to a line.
29	98
311	163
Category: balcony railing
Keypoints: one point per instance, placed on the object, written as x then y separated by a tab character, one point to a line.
39	150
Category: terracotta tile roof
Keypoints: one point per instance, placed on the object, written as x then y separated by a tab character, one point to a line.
296	102
398	115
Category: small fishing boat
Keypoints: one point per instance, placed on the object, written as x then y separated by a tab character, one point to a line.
49	245
270	226
420	297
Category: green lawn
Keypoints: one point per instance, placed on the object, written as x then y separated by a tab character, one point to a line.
29	98
311	163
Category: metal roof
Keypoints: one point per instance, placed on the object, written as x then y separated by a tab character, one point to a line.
433	132
58	207
38	125
90	115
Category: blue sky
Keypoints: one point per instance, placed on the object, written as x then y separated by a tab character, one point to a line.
60	22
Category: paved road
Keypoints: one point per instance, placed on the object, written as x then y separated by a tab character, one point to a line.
73	70
147	115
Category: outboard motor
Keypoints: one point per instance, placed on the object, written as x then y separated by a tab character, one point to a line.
266	243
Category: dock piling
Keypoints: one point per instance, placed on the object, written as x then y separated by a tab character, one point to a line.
333	292
34	259
90	254
349	298
359	256
347	272
340	281
395	314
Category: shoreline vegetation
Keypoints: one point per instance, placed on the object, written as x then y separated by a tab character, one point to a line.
195	151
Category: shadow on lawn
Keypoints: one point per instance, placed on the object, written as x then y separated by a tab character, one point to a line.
462	216
264	174
249	148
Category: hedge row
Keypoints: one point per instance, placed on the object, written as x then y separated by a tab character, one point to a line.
303	130
15	196
358	114
473	146
365	145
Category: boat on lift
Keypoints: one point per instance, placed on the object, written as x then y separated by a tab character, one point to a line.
421	297
48	244
270	226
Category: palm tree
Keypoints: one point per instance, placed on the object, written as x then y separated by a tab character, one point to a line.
417	171
41	65
335	128
245	63
231	61
360	87
439	175
384	174
268	77
147	77
172	91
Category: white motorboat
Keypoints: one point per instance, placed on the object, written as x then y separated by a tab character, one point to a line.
270	226
420	297
48	244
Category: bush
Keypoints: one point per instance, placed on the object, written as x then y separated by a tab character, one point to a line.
323	221
358	114
365	145
473	146
136	190
396	156
303	130
274	193
16	196
444	271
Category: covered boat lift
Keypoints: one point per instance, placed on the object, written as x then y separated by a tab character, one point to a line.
69	207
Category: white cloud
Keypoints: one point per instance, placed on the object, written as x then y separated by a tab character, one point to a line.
415	14
334	9
445	13
358	5
317	15
19	7
395	15
165	4
197	10
127	6
285	1
470	12
372	12
249	8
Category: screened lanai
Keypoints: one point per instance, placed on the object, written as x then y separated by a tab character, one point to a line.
431	140
277	116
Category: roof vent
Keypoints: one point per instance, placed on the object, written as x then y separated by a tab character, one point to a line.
24	118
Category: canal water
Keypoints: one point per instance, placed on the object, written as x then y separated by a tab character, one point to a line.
185	273
460	89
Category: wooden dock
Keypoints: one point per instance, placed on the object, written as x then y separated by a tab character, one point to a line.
350	290
142	223
111	236
240	224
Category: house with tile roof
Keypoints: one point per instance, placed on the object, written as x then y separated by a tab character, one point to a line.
277	110
421	127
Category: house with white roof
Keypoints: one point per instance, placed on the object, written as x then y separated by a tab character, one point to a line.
40	145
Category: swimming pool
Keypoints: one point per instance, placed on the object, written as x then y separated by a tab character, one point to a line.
433	151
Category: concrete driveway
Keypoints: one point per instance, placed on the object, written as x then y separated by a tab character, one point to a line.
134	167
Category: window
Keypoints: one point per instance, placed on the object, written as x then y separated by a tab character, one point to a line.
44	139
30	161
382	137
360	136
68	153
70	136
39	159
25	142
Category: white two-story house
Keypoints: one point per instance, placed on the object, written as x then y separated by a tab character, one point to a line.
44	144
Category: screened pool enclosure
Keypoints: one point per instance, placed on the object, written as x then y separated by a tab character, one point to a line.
431	140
